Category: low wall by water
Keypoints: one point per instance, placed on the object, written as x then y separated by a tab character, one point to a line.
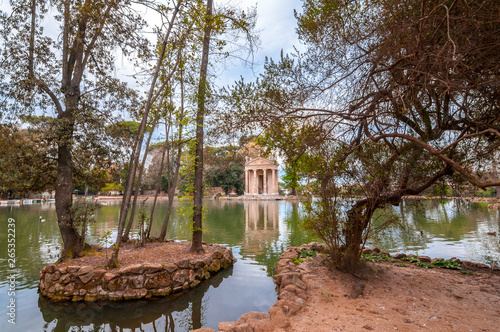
137	281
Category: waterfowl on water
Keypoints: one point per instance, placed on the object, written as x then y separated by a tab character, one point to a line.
41	219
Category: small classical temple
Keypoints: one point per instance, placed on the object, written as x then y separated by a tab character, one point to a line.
261	177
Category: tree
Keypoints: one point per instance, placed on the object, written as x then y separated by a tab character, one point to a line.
69	74
404	94
200	115
26	165
224	168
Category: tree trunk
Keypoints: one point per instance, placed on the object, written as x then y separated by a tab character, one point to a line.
196	245
72	246
494	167
357	222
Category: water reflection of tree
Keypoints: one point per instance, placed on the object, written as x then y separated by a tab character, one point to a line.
422	221
179	312
276	245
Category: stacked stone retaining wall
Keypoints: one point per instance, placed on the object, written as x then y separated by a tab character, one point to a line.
85	283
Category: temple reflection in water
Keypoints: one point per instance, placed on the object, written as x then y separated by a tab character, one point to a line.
261	215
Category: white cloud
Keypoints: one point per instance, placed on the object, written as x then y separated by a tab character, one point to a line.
276	25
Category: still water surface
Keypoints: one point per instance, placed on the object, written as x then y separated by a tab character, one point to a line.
257	232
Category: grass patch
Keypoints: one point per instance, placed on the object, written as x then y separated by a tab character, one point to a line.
304	253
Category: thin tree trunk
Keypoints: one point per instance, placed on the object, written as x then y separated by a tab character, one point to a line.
494	165
173	184
113	261
84	226
166	150
139	178
196	245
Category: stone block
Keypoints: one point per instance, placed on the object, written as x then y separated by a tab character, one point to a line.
84	270
134	294
73	268
90	297
136	281
217	255
131	269
157	280
85	278
170	267
214	266
152	268
51	268
183	264
117	284
180	278
115	296
227	326
161	291
108	276
424	259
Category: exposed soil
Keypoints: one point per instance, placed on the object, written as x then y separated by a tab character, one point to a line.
133	253
387	297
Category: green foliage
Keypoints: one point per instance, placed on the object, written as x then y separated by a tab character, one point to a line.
410	259
424	265
106	241
304	253
26	160
297	261
143	219
224	168
377	258
441	189
439	263
112	186
446	264
489	192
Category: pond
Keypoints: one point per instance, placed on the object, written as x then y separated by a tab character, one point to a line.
257	231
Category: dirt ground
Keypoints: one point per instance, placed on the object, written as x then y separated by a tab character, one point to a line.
388	297
133	253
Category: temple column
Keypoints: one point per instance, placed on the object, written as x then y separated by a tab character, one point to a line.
255	184
264	181
246	182
274	182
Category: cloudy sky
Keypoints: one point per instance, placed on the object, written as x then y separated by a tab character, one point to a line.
276	25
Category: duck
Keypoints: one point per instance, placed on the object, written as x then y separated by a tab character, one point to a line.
41	219
419	232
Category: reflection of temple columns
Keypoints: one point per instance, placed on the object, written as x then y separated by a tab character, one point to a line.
261	216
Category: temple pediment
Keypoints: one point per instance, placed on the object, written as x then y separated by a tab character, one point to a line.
260	161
